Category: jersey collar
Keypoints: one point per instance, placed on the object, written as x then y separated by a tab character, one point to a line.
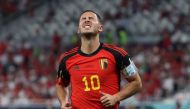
91	54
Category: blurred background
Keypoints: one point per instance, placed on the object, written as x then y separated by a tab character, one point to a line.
155	33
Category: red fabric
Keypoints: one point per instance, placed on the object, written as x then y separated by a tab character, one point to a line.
58	81
26	52
2	47
9	7
56	39
88	78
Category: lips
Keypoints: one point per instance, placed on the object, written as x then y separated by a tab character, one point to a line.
86	25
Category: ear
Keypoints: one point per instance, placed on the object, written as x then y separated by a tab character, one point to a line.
100	29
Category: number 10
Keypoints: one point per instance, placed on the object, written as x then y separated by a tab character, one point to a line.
92	79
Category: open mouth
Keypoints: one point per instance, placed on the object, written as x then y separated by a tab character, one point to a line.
87	26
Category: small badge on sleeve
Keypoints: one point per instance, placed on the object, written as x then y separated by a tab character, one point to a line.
130	70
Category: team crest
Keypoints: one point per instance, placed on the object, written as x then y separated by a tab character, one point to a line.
103	63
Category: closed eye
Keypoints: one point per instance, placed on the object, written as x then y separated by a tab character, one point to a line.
83	18
91	18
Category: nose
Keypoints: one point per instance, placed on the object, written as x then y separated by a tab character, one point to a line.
87	21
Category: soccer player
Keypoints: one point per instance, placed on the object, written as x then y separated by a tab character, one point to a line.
93	70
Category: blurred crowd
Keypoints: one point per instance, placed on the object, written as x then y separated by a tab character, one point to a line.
28	67
135	17
10	7
151	17
27	73
164	70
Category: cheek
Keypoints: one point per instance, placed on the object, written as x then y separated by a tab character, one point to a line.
96	27
80	28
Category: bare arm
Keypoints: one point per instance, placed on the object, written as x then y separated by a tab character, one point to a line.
62	81
129	89
61	93
133	86
62	96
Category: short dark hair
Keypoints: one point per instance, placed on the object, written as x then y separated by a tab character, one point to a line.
98	16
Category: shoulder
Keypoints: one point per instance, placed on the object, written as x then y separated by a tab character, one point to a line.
66	55
114	49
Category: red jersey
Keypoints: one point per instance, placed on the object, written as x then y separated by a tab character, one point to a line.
91	73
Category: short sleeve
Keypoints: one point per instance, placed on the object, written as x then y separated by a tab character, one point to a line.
122	58
120	55
63	77
125	61
128	68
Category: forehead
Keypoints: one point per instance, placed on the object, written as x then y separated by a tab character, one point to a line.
88	14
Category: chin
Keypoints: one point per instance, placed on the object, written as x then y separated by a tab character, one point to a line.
88	33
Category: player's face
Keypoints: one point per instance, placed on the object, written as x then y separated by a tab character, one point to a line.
89	24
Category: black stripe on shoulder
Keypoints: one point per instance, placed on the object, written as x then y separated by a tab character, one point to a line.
121	60
117	56
67	56
116	48
72	50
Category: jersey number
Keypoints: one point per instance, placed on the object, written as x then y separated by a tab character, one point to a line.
93	78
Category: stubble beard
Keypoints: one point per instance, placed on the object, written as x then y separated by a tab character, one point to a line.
88	35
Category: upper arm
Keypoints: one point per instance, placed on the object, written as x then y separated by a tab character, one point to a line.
129	70
126	66
135	77
124	63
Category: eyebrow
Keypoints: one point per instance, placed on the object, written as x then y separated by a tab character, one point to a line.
88	17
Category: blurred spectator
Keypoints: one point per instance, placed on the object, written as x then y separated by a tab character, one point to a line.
166	39
2	47
50	14
27	68
56	42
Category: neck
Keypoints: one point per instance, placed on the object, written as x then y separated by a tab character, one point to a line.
89	44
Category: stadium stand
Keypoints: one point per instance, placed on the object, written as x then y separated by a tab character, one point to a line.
154	32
